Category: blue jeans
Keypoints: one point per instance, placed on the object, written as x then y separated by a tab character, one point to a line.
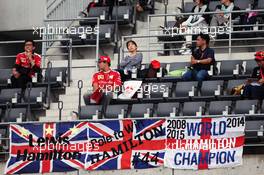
195	75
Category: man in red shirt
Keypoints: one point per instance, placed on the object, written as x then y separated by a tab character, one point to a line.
27	64
104	83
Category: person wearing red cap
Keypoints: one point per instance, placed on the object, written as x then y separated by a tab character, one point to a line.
152	71
256	90
104	83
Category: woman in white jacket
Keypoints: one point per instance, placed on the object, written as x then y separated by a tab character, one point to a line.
195	24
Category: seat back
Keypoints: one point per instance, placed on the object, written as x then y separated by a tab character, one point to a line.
190	108
11	115
183	88
34	94
6	95
164	109
5	74
217	107
228	66
87	112
138	110
113	111
208	87
233	83
55	72
244	106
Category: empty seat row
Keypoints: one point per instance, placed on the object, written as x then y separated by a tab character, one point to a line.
57	77
189	90
106	34
16	96
146	110
123	14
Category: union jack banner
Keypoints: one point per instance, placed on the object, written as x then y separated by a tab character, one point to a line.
126	144
50	147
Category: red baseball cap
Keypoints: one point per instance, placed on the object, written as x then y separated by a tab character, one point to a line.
104	59
155	64
259	56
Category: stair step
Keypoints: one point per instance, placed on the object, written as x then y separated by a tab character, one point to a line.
55	112
66	106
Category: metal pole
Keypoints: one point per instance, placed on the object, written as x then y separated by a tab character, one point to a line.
97	44
80	86
230	36
70	63
60	107
28	114
149	37
165	11
49	67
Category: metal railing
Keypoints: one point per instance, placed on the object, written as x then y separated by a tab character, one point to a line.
58	9
60	107
54	24
154	31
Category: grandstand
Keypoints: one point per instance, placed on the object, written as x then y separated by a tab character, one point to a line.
70	40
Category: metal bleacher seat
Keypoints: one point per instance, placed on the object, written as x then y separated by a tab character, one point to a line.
106	35
213	4
165	109
230	85
248	69
157	91
87	112
173	67
260	4
12	114
100	12
211	89
191	108
243	4
113	111
253	125
188	6
37	96
124	14
182	90
7	95
5	75
218	107
227	68
57	76
178	65
244	106
139	110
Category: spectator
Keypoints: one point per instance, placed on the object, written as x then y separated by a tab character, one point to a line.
15	78
104	83
152	71
27	64
195	23
201	60
222	18
132	61
256	89
144	6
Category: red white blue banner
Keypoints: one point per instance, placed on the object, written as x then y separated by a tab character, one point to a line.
204	143
126	144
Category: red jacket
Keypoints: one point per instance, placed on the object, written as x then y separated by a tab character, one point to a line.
24	65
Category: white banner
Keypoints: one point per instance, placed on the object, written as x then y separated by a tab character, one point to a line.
204	143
